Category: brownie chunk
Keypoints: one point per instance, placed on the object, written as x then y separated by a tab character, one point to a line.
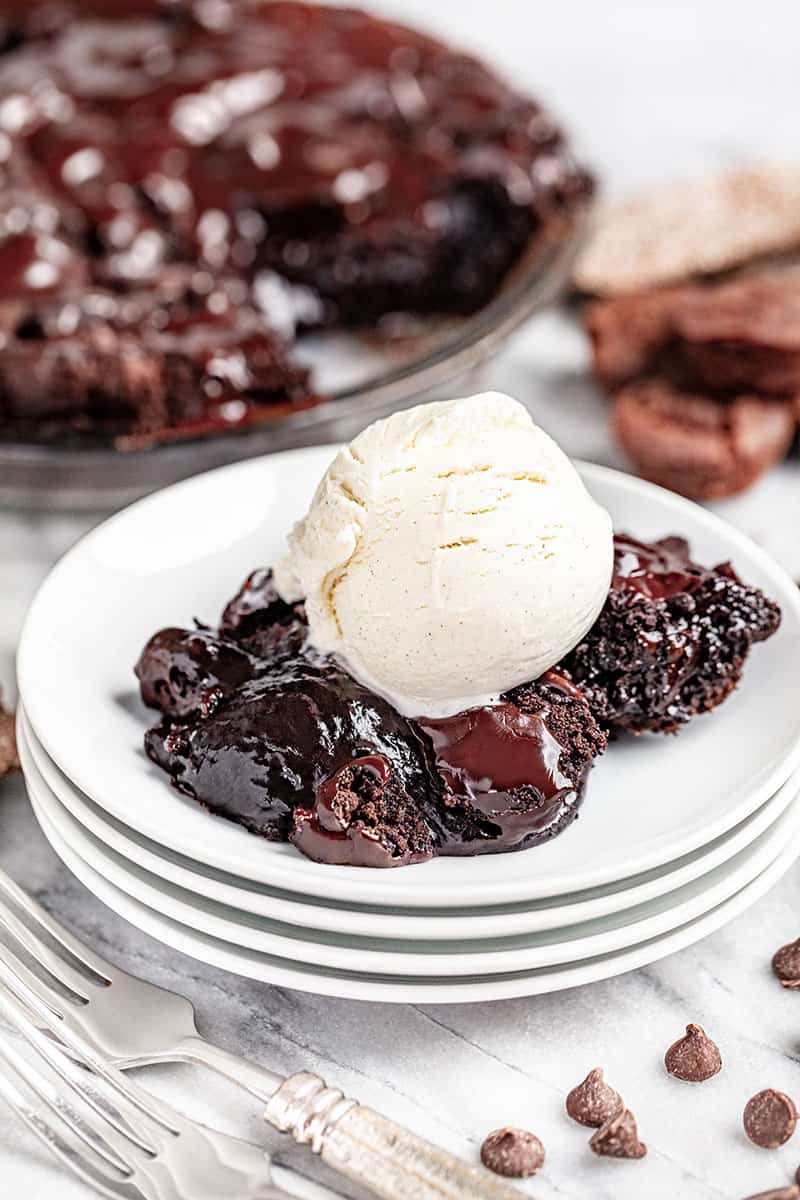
512	773
628	333
746	334
706	379
269	745
261	729
362	815
703	447
671	640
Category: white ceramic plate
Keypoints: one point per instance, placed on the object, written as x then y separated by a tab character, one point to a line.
401	957
184	551
353	985
454	925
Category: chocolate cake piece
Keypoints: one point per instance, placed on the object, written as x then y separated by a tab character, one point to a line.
705	378
672	639
362	816
369	168
745	334
261	729
268	747
629	333
704	447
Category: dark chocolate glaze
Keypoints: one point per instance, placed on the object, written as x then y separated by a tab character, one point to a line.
260	729
658	570
367	168
504	764
265	750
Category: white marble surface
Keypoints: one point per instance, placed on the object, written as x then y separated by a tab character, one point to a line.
653	91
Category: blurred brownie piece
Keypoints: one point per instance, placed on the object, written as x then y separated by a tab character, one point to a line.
698	445
686	230
9	759
627	333
705	378
745	334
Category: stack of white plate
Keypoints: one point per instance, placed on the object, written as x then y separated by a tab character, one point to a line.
676	836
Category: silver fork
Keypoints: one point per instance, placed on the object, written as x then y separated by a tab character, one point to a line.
113	1135
133	1023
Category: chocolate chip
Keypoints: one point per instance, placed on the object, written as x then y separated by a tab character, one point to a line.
694	1057
593	1101
770	1119
619	1137
788	1193
786	964
512	1152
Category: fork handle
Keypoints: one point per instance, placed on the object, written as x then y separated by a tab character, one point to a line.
259	1081
371	1150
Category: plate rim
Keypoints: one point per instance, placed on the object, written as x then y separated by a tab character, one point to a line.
349	987
411	924
325	880
176	903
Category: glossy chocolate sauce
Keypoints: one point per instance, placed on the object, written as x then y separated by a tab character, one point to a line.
656	570
495	758
260	729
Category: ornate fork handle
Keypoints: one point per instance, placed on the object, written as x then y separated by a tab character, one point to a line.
371	1150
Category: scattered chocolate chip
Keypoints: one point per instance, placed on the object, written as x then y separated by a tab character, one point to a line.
619	1137
786	964
694	1057
8	743
512	1152
788	1193
770	1119
593	1102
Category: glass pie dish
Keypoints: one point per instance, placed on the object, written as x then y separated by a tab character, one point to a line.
360	376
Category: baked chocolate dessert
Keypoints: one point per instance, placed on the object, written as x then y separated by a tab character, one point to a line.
261	729
705	378
361	167
189	353
672	639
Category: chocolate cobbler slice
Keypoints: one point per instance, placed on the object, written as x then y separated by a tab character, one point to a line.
260	729
672	639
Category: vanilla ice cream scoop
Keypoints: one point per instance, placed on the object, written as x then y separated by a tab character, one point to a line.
450	553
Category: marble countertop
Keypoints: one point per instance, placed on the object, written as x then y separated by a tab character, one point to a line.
653	91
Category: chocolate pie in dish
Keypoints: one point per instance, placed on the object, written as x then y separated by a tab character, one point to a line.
454	637
185	187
